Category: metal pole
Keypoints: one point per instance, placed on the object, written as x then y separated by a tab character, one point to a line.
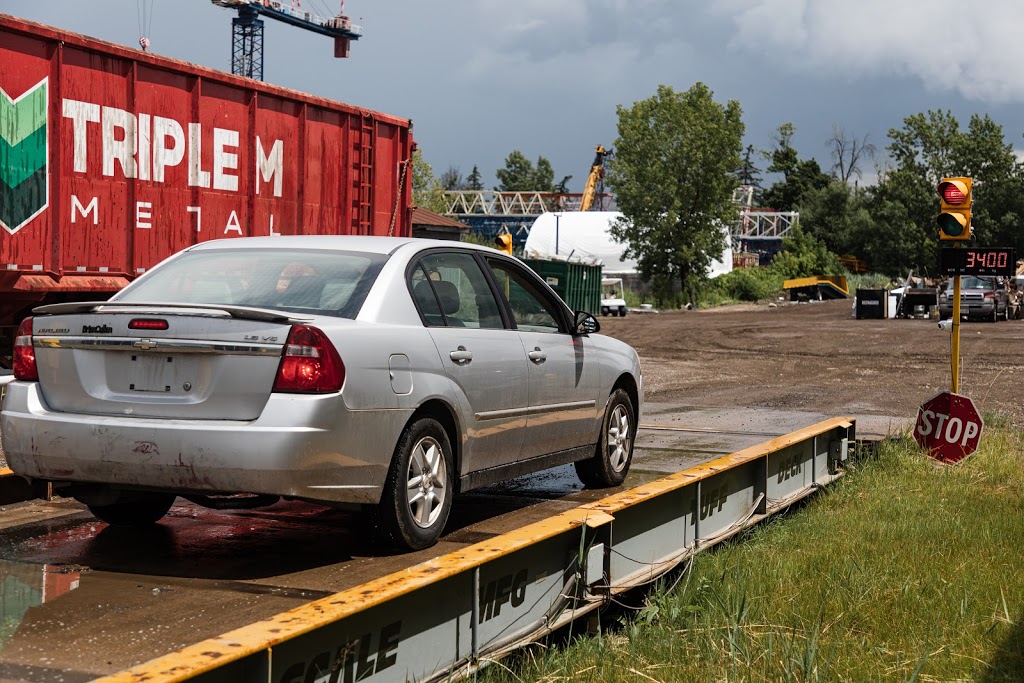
474	618
954	383
557	216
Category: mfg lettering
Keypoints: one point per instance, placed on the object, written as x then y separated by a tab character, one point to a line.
508	588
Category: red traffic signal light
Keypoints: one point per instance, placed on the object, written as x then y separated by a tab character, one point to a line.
952	193
955	206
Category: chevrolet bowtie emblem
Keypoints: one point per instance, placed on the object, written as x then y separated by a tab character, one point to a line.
145	344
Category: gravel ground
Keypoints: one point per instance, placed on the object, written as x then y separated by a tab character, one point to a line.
816	357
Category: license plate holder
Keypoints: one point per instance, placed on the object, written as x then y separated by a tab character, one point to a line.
153	373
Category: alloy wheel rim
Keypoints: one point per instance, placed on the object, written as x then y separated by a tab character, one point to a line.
619	438
427	480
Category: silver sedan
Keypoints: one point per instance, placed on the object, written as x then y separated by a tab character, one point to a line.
384	372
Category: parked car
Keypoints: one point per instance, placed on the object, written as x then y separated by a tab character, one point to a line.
390	373
980	297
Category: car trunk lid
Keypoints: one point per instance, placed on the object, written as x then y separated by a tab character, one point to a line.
206	363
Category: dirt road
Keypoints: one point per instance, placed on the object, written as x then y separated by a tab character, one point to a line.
816	357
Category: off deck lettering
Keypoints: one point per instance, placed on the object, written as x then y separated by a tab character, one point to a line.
789	467
713	501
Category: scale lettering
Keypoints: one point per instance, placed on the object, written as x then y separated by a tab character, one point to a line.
355	660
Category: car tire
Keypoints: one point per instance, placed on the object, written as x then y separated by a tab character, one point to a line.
610	463
134	508
622	311
420	486
605	310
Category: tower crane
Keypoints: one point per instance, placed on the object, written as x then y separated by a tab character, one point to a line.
247	31
595	178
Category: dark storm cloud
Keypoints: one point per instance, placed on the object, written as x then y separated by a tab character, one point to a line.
481	78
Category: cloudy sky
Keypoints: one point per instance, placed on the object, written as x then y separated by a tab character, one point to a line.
481	78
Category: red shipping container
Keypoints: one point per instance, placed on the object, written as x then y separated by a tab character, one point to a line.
113	159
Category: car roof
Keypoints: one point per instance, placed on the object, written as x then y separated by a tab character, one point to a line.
363	243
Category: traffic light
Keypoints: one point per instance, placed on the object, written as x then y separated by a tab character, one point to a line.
504	242
955	206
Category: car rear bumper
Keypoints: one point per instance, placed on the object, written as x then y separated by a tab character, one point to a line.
969	310
335	456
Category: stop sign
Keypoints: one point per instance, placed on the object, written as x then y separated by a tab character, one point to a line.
949	427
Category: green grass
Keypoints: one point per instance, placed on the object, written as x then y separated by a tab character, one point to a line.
903	571
866	281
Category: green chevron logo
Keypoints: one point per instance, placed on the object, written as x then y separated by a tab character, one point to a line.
24	180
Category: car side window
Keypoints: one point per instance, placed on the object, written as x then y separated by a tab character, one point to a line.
450	290
532	309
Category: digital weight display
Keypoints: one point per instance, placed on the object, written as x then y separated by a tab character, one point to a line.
978	261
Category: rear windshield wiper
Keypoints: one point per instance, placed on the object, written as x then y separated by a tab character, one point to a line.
239	312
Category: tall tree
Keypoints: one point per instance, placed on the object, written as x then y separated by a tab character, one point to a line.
474	181
452	179
848	153
517	175
799	176
427	192
748	173
520	175
830	214
673	177
543	176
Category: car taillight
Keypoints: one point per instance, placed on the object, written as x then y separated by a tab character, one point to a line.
310	364
25	353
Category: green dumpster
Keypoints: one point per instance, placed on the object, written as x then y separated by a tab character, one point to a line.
579	285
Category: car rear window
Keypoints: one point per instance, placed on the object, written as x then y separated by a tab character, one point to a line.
968	282
333	283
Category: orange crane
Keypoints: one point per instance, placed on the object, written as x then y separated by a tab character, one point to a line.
595	178
247	30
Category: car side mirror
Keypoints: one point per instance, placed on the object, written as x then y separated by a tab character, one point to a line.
586	323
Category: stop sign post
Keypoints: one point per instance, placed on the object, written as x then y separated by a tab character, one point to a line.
949	426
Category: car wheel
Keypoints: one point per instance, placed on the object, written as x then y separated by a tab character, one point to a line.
604	310
995	313
622	311
610	464
134	508
420	485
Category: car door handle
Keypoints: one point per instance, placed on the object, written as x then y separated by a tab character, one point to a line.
537	356
461	355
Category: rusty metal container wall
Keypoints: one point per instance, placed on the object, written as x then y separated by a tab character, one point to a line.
111	160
